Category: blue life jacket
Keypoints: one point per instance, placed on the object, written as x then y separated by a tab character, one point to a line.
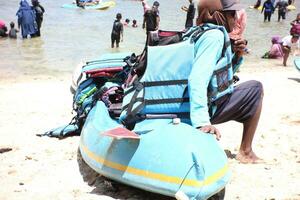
221	82
163	87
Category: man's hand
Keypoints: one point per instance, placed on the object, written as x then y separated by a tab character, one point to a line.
239	46
143	26
184	8
212	130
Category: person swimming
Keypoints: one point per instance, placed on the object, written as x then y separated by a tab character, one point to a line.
134	23
127	21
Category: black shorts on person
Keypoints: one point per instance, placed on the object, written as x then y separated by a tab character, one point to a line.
115	38
241	105
281	15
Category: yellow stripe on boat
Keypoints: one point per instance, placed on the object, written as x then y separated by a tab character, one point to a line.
156	176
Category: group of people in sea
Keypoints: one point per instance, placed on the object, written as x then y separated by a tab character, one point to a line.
150	22
30	20
127	23
12	33
269	6
118	29
282	47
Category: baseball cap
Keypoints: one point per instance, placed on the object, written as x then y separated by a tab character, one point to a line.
231	5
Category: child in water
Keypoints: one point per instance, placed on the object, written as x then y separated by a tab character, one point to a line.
12	32
126	23
134	24
117	31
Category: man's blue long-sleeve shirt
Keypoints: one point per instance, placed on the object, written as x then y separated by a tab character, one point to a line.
208	50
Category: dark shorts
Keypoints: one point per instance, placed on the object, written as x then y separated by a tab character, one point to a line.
281	14
241	105
115	38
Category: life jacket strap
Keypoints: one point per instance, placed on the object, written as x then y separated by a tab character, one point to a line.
164	83
165	101
158	101
133	113
138	86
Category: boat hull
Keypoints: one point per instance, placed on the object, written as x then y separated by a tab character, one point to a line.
166	159
297	63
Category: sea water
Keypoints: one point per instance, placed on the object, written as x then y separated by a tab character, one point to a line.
70	36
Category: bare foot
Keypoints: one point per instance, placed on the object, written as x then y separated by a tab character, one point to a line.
248	158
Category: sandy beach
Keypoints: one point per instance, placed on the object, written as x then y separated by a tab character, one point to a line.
48	168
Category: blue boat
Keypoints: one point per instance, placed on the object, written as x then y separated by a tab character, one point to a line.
297	63
167	158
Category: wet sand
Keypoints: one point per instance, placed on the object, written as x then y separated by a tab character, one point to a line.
48	168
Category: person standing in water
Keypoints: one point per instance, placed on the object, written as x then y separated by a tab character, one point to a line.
117	31
151	19
282	9
268	9
39	14
134	23
190	14
26	19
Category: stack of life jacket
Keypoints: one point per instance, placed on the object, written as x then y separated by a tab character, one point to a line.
100	80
